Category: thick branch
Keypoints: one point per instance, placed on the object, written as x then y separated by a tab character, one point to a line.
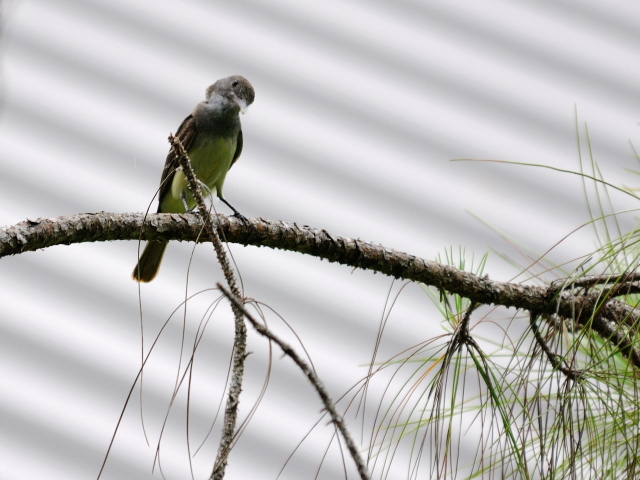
41	233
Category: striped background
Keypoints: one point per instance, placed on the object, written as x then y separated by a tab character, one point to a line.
359	107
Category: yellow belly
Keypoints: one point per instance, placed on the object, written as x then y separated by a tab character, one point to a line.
211	160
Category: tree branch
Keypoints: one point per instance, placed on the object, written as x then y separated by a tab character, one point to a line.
556	360
593	310
337	420
240	340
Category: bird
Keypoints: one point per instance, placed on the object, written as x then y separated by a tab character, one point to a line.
212	137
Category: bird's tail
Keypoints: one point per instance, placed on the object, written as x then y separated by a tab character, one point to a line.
149	262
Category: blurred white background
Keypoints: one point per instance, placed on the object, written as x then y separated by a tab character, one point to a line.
360	106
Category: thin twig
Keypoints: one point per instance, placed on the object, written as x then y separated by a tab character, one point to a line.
593	280
621	290
555	359
337	420
240	341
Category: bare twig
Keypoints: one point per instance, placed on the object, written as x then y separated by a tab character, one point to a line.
593	280
555	359
337	420
240	341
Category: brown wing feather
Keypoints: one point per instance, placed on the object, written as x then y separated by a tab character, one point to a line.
186	132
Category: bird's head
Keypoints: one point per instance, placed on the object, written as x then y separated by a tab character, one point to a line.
235	88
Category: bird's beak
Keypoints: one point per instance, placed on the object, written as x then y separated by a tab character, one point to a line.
242	103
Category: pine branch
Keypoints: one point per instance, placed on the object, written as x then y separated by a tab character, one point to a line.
613	320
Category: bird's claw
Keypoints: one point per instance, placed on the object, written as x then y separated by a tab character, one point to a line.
241	217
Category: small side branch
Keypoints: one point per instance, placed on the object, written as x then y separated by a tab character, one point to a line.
337	420
593	280
555	359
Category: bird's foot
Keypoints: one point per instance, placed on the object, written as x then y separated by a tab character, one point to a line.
241	217
236	213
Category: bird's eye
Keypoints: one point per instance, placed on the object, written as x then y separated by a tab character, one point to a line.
234	83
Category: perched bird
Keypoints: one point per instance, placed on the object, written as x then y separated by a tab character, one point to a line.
212	137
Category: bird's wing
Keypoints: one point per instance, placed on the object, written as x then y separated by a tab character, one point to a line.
238	149
186	132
